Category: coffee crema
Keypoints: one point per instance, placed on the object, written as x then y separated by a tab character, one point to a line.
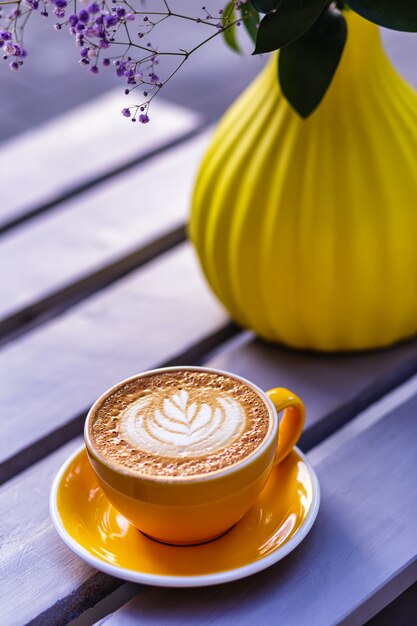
179	423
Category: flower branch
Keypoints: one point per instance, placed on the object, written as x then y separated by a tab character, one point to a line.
102	29
99	28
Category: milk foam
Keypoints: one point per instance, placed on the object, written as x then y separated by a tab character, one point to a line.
182	425
179	423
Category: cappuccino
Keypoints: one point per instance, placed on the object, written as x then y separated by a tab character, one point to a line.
179	423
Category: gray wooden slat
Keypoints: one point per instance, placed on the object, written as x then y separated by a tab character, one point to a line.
360	555
90	142
42	580
96	236
37	570
49	377
42	561
334	387
65	586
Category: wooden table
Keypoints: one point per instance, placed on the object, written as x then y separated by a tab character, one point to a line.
98	282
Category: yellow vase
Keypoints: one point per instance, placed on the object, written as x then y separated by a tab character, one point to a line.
307	229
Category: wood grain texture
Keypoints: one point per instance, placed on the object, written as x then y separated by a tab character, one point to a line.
49	378
334	387
91	142
41	579
361	553
96	236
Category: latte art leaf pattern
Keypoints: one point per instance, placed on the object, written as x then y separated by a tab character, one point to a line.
182	426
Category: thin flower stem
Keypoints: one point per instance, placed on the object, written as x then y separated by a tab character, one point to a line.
104	24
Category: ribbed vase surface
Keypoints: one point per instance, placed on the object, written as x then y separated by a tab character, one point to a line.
306	229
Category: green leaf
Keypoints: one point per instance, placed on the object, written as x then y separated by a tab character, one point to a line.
291	20
394	14
264	6
250	19
307	66
229	34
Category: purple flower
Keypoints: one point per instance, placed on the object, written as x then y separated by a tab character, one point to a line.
92	31
18	51
110	20
94	7
95	27
14	50
84	16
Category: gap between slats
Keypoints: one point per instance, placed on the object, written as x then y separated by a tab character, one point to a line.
74	266
344	544
44	310
76	150
85	186
97	587
37	450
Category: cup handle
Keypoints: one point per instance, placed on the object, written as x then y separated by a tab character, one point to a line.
292	422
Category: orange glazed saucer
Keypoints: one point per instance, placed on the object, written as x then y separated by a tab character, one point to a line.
92	528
